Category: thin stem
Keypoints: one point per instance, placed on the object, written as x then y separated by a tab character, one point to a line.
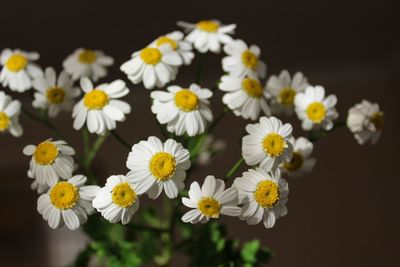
317	135
86	139
218	119
234	168
96	146
121	140
147	228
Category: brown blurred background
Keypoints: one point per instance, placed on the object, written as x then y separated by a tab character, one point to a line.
345	213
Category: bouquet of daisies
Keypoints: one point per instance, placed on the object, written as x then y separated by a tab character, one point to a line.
121	232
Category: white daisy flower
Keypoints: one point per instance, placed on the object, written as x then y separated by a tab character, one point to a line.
9	115
156	166
243	60
175	40
50	160
68	203
210	148
18	69
35	185
301	162
87	63
365	121
100	107
245	96
118	200
268	143
208	35
54	94
314	109
184	110
263	195
283	89
210	201
155	66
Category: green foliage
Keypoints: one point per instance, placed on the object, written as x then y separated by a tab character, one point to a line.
209	246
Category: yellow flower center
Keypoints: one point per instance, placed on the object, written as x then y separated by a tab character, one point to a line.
55	95
186	100
249	59
151	55
207	25
295	163
162	166
95	99
376	119
267	194
166	40
64	195
209	207
45	153
16	62
252	87
87	57
286	96
123	195
4	121
316	112
274	145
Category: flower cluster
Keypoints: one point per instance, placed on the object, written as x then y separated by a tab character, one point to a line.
158	167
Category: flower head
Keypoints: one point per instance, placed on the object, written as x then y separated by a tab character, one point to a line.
67	203
87	63
175	40
245	96
209	201
267	143
283	89
184	110
155	66
100	108
263	195
243	60
18	69
156	166
365	120
208	35
50	161
118	200
300	162
9	115
314	109
54	94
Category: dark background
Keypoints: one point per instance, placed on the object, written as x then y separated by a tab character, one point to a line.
345	213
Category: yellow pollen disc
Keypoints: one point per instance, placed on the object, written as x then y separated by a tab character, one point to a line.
376	119
186	100
267	194
16	63
274	145
87	57
95	99
150	55
64	195
55	95
4	121
249	59
295	163
166	40
162	166
316	112
252	87
45	153
286	96
209	207
123	195
207	25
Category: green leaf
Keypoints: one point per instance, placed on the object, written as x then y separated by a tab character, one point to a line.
249	251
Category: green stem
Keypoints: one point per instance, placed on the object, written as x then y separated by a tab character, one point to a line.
234	168
317	135
86	139
121	140
90	156
147	228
